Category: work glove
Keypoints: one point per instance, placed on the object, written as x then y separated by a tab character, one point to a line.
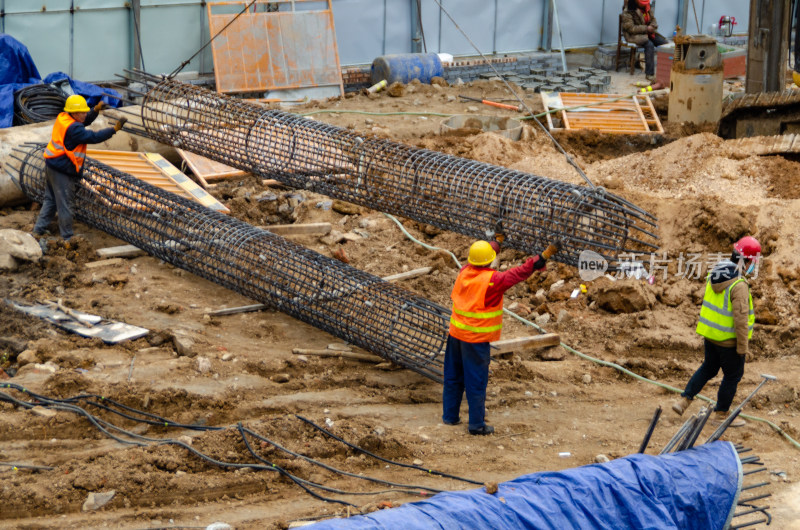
546	255
100	107
551	249
120	122
500	238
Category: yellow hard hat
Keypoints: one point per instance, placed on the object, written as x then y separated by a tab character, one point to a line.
796	78
76	103
481	253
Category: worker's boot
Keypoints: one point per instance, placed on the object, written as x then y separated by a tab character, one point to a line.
719	417
486	429
680	406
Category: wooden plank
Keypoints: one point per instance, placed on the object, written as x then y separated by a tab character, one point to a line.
342	354
205	169
310	229
122	251
104	263
535	342
408	274
235	310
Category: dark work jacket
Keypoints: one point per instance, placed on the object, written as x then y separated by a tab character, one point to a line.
78	134
634	27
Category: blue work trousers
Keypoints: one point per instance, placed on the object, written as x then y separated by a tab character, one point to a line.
59	192
466	367
717	357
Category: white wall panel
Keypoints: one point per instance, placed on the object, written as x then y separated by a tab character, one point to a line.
359	30
171	33
476	18
519	25
580	23
172	30
47	37
712	10
101	39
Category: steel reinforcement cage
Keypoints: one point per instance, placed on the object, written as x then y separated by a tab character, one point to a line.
452	193
353	305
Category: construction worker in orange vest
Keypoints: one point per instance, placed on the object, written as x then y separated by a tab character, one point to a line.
477	320
64	158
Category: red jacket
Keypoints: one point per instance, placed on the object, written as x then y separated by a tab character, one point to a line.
503	281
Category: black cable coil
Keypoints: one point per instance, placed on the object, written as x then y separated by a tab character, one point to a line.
38	103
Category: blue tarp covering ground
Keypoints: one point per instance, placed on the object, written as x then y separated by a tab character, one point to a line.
690	490
17	70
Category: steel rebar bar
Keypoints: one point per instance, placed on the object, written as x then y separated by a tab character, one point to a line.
650	429
449	192
353	305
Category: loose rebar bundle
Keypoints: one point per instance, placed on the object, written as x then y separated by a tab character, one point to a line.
353	305
449	192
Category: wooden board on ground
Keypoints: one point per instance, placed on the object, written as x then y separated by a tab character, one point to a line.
309	229
121	251
104	263
157	171
341	354
534	342
415	273
608	113
207	170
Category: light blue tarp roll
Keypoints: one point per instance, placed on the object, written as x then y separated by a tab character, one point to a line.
694	489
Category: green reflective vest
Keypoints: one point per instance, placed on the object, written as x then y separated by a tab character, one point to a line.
716	316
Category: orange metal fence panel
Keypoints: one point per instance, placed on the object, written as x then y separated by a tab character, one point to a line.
273	50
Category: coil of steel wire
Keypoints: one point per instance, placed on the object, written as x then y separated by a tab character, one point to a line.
353	305
38	103
449	192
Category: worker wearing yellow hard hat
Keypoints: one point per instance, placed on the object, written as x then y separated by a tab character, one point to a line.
64	157
476	321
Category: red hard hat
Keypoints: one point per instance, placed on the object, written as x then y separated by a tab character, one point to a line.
748	247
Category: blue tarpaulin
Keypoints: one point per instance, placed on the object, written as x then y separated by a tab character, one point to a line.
17	70
690	490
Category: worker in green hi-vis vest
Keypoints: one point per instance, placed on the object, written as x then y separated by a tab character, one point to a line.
726	323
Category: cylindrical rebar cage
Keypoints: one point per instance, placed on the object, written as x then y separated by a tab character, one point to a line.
353	305
449	192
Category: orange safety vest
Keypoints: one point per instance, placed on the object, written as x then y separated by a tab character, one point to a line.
471	321
56	146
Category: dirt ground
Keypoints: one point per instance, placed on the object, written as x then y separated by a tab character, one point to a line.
241	369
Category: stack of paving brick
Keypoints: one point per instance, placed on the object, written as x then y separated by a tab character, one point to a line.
533	73
356	78
584	79
507	66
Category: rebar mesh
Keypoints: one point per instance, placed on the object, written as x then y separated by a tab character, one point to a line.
353	305
449	192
